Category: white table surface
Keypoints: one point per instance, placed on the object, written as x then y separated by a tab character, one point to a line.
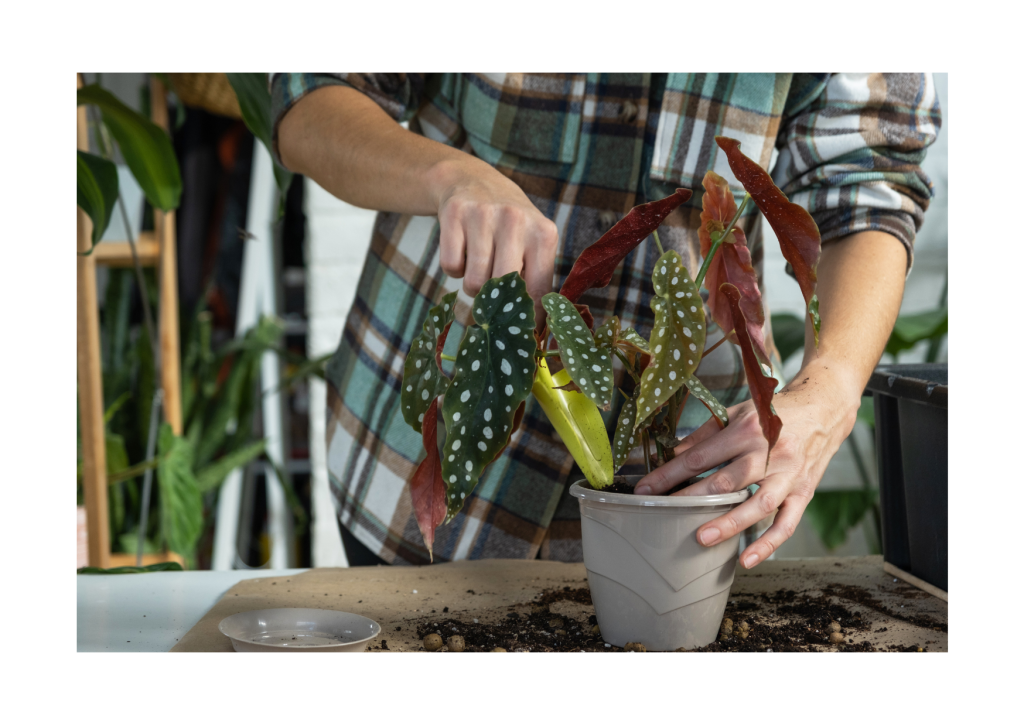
150	611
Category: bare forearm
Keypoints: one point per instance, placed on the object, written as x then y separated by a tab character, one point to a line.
860	287
346	143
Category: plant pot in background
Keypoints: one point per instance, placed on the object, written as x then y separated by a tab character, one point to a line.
911	431
651	581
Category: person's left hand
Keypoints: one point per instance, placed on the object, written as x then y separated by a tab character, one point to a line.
818	410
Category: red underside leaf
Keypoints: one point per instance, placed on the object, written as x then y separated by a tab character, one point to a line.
595	266
798	234
762	387
588	317
427	487
516	420
731	264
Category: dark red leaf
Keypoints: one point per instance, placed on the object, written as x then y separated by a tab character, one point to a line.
426	485
517	419
732	264
762	387
798	234
595	266
588	317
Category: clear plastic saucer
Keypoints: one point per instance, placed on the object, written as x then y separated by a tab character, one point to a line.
298	630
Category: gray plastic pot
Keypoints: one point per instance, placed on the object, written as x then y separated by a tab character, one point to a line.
651	581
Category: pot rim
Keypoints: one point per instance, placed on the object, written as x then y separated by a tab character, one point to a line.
651	500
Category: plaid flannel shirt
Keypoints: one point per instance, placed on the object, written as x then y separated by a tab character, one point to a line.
586	148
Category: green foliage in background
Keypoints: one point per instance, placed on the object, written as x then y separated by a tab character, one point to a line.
834	514
220	387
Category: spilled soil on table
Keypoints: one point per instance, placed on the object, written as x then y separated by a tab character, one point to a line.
781	621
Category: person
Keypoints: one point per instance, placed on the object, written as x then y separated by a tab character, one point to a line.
521	172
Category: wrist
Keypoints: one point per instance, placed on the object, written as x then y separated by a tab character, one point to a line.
832	385
451	172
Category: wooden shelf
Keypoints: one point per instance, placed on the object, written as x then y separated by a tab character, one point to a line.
119	254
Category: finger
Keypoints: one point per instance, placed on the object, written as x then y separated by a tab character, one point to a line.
479	250
453	247
782	529
741	473
702	433
509	243
765	501
539	268
717	449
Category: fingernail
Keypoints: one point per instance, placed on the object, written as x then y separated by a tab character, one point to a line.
751	561
642	489
709	536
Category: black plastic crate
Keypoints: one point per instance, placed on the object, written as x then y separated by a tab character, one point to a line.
912	434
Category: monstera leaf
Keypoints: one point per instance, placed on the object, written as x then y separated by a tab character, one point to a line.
594	268
677	338
702	394
494	371
423	380
798	235
624	438
731	264
426	485
589	367
762	387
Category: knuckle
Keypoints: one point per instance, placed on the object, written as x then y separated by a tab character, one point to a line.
767	501
720	484
695	459
548	233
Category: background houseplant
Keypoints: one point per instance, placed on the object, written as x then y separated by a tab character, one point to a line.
219	389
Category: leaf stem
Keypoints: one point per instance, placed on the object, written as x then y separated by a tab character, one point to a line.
445	356
708	351
657	241
717	239
646	445
627	364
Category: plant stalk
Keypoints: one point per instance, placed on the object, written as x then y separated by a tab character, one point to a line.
717	239
708	351
657	241
627	364
147	482
646	444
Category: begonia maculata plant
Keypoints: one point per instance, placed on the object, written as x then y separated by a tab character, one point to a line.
567	363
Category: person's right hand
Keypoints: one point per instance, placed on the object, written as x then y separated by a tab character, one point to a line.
490	228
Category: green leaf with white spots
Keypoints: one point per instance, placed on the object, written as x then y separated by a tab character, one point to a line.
423	380
629	338
608	334
677	338
624	440
494	371
699	391
589	366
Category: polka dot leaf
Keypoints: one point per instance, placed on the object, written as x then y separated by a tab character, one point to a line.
699	391
677	338
630	339
625	439
589	366
423	380
494	372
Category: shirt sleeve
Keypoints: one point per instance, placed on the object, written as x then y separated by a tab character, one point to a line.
850	150
397	93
